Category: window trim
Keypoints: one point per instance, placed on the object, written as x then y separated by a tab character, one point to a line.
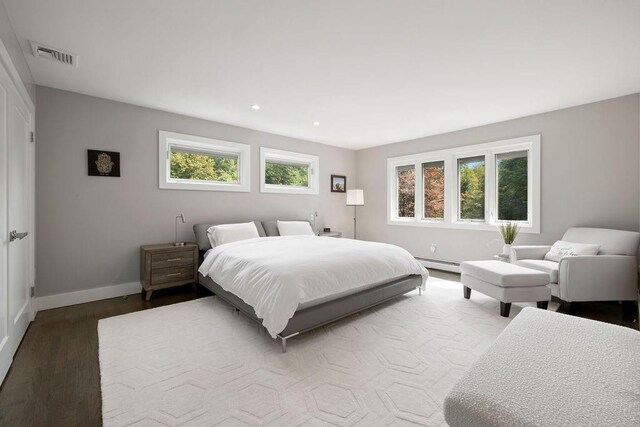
168	139
489	150
267	153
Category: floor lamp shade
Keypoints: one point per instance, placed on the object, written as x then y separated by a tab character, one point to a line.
355	197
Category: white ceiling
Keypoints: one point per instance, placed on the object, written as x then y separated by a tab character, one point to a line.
370	71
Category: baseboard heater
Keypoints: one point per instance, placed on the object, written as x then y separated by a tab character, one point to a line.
440	264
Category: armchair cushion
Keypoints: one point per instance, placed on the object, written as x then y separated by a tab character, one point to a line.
563	248
549	267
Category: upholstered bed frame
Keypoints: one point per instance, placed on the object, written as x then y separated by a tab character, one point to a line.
313	316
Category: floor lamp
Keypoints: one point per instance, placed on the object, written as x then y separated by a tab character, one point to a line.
355	198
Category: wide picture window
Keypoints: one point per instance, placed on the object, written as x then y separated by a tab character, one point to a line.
473	187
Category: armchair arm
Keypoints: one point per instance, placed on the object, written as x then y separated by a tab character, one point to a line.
598	278
528	252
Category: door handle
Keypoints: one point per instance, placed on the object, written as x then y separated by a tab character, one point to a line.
14	235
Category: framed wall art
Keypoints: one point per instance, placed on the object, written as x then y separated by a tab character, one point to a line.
103	163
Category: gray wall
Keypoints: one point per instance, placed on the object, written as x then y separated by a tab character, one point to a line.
10	41
590	177
89	229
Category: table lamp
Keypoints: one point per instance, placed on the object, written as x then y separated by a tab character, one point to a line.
175	242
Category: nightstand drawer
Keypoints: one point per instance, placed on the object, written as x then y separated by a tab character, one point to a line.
171	259
171	274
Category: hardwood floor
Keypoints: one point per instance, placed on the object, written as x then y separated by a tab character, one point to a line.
609	312
55	377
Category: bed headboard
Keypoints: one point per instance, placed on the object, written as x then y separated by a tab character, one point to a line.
265	228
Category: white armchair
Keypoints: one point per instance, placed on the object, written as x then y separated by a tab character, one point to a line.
612	275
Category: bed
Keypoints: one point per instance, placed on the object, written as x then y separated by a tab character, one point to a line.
293	284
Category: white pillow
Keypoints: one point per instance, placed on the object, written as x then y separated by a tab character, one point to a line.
295	228
227	233
561	249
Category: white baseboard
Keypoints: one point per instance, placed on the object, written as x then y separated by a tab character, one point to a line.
453	267
79	297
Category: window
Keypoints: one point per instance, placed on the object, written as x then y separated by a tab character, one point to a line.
203	165
406	191
288	172
291	174
433	178
512	177
195	163
473	187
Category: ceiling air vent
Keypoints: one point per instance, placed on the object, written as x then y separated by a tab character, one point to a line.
47	52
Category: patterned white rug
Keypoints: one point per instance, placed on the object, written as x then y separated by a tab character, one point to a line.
198	364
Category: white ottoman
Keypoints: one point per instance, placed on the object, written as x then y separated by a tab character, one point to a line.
505	282
550	369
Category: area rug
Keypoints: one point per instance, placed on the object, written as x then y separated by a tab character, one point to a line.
198	364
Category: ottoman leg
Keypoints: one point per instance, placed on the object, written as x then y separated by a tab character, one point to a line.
568	307
467	292
505	308
543	304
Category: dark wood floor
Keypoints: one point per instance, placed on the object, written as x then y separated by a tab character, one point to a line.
55	377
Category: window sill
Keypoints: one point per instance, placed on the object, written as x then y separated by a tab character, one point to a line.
205	186
479	226
265	188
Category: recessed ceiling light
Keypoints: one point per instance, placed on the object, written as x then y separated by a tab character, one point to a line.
255	107
316	123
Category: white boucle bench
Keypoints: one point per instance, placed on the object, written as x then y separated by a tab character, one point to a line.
505	282
551	369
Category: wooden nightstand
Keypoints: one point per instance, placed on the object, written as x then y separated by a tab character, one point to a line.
165	266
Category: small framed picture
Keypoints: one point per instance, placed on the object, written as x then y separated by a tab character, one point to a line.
338	184
103	163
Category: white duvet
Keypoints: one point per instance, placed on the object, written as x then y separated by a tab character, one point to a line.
276	274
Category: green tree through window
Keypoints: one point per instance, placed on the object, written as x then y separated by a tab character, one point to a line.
203	167
512	186
284	174
471	177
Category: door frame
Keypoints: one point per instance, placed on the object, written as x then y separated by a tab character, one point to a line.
20	90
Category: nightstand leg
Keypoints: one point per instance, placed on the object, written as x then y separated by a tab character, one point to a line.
148	295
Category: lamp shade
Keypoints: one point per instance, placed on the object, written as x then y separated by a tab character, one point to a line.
355	197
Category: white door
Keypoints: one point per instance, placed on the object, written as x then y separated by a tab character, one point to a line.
15	222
